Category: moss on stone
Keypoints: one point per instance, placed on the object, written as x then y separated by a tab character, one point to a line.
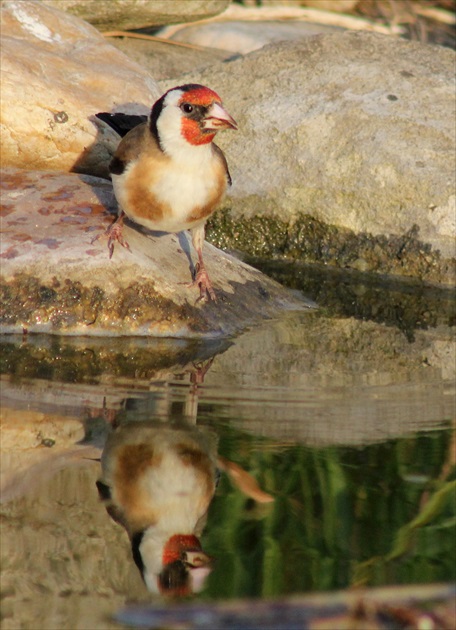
312	241
25	300
406	305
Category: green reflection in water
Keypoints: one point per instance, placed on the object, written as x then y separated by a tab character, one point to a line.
377	515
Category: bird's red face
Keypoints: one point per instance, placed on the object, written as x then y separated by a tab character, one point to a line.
202	114
186	118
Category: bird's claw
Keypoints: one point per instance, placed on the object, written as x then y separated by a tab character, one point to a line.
205	285
113	233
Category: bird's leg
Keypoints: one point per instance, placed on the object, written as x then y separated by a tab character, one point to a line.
201	276
114	233
202	279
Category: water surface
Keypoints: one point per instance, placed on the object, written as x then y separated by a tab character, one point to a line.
344	416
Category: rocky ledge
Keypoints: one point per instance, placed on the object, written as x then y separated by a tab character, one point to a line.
57	276
344	157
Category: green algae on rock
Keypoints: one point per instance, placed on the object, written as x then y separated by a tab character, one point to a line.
311	240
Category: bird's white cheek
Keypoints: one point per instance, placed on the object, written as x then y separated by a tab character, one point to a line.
169	126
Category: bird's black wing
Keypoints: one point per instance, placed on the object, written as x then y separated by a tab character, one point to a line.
121	123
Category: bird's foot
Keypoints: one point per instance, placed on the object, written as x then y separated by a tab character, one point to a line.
203	282
113	234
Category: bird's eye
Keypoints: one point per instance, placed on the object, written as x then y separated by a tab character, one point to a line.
187	108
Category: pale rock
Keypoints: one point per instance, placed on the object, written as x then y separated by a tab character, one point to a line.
127	15
355	130
57	71
323	5
245	37
166	59
37	429
339	6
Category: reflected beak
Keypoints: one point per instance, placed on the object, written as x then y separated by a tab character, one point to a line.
186	575
196	559
218	118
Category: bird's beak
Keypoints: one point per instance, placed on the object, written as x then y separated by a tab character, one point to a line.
218	118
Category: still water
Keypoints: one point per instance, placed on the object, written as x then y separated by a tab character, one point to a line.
332	433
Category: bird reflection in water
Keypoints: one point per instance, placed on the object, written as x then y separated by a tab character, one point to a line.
157	482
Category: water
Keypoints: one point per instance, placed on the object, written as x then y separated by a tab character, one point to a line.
344	417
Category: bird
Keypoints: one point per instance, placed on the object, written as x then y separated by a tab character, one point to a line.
167	173
158	481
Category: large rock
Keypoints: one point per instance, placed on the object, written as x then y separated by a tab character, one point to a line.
347	154
57	71
165	59
244	37
126	15
331	5
57	279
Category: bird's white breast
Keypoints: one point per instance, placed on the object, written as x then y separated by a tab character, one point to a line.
177	492
181	185
185	187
